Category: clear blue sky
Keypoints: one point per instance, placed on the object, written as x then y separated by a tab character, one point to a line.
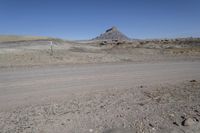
85	19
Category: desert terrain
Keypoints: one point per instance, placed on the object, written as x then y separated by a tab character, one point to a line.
38	51
50	85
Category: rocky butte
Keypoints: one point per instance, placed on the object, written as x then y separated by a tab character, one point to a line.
112	34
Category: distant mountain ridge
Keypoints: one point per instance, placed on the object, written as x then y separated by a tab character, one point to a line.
112	34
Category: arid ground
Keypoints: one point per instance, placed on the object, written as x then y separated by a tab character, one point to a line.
90	86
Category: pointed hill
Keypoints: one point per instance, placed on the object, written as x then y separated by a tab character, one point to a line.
112	34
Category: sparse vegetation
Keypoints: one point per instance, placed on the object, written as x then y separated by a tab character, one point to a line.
12	38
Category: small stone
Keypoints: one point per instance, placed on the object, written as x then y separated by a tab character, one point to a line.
193	81
175	123
171	115
151	125
188	122
183	117
141	104
91	130
101	106
197	120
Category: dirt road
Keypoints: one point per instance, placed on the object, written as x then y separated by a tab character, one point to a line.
144	97
21	87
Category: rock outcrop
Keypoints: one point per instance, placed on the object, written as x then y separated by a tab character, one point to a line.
112	34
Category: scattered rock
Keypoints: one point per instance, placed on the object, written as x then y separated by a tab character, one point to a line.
192	81
102	106
91	130
175	123
197	120
193	129
151	125
141	104
183	117
188	122
171	115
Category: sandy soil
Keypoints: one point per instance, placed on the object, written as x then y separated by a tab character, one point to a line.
38	53
101	98
83	87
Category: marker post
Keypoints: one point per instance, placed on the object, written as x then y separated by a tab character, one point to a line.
51	45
